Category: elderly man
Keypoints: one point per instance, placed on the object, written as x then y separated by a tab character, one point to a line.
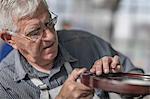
46	64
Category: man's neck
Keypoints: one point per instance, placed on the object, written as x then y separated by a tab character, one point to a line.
42	68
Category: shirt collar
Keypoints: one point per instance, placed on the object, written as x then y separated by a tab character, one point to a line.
63	56
20	73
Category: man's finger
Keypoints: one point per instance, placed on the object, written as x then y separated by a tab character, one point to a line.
97	67
76	73
115	61
106	62
117	69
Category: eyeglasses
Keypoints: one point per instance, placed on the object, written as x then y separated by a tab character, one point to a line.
38	32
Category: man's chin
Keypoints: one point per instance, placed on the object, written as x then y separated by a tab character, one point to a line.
45	60
49	57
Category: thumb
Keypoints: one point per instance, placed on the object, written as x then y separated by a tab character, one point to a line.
76	73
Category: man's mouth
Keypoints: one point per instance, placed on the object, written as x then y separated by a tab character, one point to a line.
49	45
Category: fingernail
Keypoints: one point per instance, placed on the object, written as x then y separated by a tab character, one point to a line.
106	70
98	73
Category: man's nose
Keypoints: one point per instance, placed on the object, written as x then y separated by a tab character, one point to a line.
48	34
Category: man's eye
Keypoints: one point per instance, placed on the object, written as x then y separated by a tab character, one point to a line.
34	33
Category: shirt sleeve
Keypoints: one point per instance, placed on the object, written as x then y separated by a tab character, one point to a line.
108	50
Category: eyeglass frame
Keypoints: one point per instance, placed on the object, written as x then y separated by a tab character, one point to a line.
52	22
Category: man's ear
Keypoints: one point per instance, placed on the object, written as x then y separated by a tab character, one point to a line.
8	39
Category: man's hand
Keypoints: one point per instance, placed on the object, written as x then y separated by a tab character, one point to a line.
106	64
73	89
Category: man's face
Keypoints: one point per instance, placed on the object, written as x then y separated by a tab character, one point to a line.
36	40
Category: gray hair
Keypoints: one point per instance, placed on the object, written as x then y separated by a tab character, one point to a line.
18	9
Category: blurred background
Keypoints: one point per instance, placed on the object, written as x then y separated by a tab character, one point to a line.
123	23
